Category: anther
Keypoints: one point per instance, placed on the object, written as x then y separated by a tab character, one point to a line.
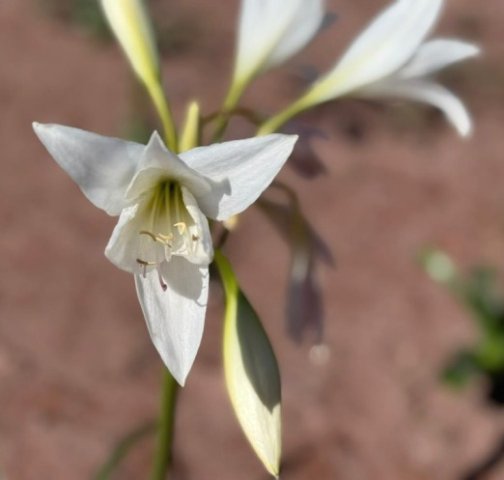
165	239
149	234
144	266
181	227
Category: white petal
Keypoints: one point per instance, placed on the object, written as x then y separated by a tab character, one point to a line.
240	170
437	54
271	31
384	47
157	163
123	248
428	92
101	166
175	317
203	251
131	25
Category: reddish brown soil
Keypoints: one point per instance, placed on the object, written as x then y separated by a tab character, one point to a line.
77	369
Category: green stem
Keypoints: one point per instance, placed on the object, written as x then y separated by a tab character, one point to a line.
277	121
232	99
122	448
163	454
159	99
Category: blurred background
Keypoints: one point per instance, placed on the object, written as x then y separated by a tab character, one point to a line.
77	369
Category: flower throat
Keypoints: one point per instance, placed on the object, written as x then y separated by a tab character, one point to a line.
168	228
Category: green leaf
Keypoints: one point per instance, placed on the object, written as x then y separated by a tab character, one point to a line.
485	302
461	369
251	372
121	450
439	266
490	353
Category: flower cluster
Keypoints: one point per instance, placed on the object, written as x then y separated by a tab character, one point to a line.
165	192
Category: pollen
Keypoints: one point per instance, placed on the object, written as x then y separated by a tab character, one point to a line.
181	227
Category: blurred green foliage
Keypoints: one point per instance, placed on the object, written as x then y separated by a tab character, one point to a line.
84	13
479	292
175	33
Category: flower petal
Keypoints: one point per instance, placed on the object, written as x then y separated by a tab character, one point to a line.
240	171
428	92
271	31
175	317
101	166
384	47
156	163
437	54
131	25
203	252
304	22
123	248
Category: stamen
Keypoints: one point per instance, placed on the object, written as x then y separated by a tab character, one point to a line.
195	238
165	239
181	227
144	266
149	234
159	238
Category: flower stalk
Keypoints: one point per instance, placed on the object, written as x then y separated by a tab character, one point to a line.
275	123
166	428
158	97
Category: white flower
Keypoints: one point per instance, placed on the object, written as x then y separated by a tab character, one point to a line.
271	31
390	58
162	200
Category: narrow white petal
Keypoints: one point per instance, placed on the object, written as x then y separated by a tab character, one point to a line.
305	22
437	54
427	92
123	248
271	31
131	25
158	163
240	170
175	317
101	166
384	47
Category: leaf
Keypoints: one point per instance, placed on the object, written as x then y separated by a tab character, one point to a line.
461	369
251	372
121	450
439	266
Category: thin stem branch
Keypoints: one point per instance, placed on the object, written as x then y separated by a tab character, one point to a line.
280	119
232	99
163	454
159	100
122	448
